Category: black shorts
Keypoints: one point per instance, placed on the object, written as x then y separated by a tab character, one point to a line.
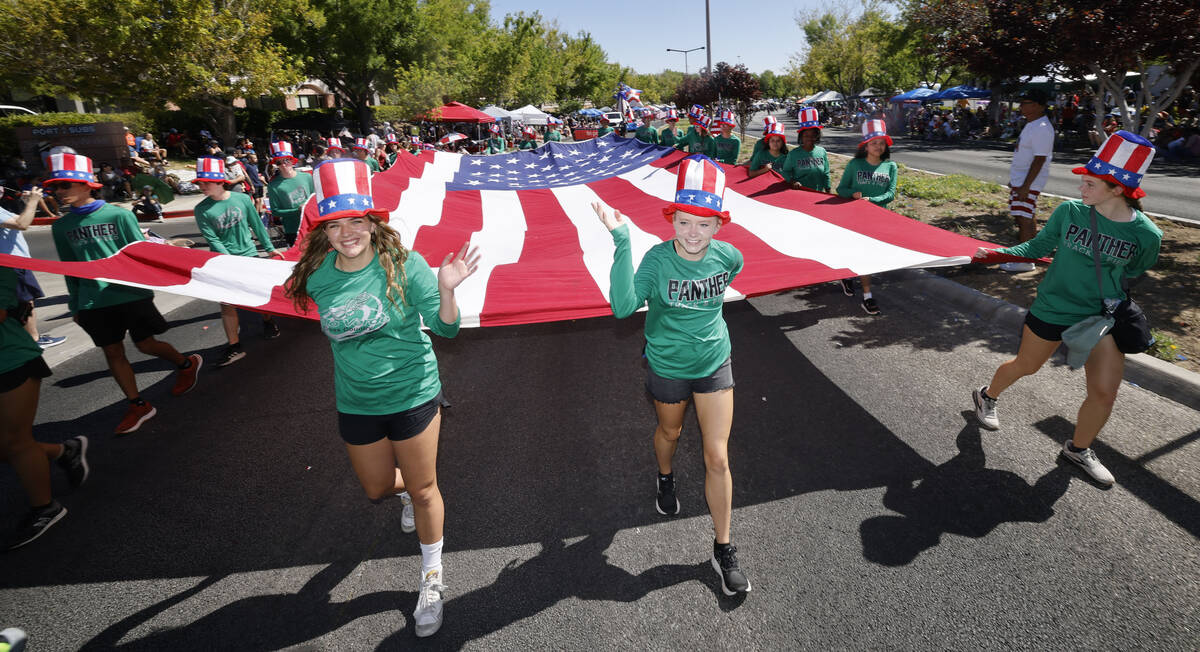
671	390
109	324
362	429
1044	330
14	378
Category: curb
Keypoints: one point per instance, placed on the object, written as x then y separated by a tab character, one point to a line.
1141	369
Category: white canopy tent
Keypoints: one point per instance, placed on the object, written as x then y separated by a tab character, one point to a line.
828	96
498	113
530	115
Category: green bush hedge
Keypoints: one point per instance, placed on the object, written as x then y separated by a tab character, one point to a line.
386	113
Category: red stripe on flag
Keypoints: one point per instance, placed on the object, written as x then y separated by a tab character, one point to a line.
550	281
462	215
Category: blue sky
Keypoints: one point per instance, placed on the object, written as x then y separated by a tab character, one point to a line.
763	34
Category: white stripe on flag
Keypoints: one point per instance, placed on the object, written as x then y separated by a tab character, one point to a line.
500	242
594	239
421	203
241	280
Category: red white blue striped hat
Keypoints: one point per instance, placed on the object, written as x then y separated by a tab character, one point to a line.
415	140
696	111
809	119
672	116
495	129
334	143
726	118
361	143
701	122
282	151
76	168
1122	159
699	189
769	120
774	129
874	129
529	132
344	190
391	138
210	168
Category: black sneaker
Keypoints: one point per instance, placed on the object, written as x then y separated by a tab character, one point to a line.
724	561
870	306
232	355
270	330
666	503
36	524
74	460
847	287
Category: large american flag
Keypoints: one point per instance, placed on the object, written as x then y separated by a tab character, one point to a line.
546	256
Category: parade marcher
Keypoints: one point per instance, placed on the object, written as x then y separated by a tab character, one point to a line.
759	144
553	135
1030	169
726	147
288	190
697	140
774	155
227	220
496	143
372	294
530	139
361	150
13	243
606	129
21	372
1099	242
93	230
333	148
807	166
683	282
393	148
646	133
669	134
870	176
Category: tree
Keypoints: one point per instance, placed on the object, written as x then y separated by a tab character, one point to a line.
843	49
695	89
451	48
737	87
1112	38
199	54
356	47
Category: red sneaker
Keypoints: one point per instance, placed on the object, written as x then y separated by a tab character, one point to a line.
186	379
135	417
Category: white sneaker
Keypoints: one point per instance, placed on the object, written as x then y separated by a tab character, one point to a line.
985	409
1086	459
428	616
1018	267
408	520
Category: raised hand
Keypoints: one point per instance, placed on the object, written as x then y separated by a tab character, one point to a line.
610	221
456	267
982	253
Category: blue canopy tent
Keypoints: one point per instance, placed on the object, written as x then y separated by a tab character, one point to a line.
591	113
915	95
960	93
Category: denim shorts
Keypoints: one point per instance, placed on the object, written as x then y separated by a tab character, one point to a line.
671	390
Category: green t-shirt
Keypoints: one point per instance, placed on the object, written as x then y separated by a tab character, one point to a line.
809	169
1068	293
693	143
647	135
604	131
496	145
287	197
764	158
16	346
528	144
669	136
383	362
726	150
373	164
91	236
877	183
391	158
227	225
686	336
553	136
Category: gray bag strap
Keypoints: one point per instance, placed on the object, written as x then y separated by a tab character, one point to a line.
1096	261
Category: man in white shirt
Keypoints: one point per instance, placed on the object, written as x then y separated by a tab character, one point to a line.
12	242
1030	168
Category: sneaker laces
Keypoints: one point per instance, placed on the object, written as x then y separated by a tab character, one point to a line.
430	586
728	558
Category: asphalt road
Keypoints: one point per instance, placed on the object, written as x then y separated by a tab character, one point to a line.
870	510
1172	188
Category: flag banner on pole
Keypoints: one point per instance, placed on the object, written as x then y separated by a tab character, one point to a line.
545	254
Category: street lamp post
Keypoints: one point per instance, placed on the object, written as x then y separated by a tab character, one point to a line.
685	53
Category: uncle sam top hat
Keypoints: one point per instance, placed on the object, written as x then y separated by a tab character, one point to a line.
701	122
774	129
210	168
1122	159
672	116
77	168
696	111
699	189
361	143
282	151
873	130
726	118
809	119
343	189
391	138
334	143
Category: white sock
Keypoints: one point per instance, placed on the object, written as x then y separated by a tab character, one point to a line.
866	295
431	556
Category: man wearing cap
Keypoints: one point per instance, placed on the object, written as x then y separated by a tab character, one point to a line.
93	230
226	220
647	133
288	190
669	134
361	150
1030	169
726	147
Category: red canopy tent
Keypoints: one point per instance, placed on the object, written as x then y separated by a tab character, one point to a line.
457	112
